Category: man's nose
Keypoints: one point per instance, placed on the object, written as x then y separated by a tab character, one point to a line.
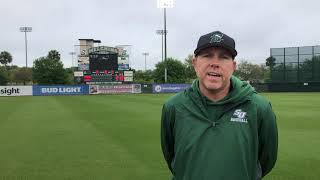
214	62
214	65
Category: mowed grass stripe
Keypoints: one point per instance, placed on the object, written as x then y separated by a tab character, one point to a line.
119	129
299	136
9	105
298	156
12	140
56	144
126	161
43	136
134	126
117	136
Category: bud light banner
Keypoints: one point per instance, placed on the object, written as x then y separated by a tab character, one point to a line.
169	88
60	90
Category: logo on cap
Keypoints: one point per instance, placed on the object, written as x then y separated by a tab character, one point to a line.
216	38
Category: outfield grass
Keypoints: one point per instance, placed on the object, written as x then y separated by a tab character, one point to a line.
117	137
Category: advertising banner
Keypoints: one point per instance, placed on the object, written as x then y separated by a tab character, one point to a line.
169	88
102	50
15	90
60	90
83	67
124	53
128	79
83	59
115	89
128	73
128	76
123	66
123	60
78	74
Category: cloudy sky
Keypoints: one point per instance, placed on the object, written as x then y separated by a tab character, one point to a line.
256	25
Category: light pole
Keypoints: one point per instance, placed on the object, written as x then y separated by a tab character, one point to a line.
25	30
72	53
165	4
145	60
161	32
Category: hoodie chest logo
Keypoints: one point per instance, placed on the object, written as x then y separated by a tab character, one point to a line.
239	116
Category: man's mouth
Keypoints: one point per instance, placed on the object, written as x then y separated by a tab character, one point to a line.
213	74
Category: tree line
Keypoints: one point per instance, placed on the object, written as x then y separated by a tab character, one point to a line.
49	70
183	72
46	70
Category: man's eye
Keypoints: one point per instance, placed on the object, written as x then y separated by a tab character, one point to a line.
207	55
225	57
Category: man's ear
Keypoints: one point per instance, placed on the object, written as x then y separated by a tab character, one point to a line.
234	65
194	59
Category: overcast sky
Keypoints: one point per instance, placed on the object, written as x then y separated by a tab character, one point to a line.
256	26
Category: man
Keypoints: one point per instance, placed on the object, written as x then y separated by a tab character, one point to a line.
219	128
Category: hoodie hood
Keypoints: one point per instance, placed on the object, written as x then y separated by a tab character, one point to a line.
240	91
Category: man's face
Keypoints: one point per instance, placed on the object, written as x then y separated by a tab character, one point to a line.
214	67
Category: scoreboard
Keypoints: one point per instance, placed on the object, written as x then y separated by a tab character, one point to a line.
106	64
103	62
106	76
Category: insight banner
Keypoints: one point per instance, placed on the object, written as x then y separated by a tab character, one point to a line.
15	90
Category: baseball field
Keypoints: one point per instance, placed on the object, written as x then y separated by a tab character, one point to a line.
117	137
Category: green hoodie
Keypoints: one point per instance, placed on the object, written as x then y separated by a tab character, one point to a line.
231	139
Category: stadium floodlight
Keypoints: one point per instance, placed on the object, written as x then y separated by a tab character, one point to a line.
145	60
163	4
161	32
25	30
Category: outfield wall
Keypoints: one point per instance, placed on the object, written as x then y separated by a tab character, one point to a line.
294	87
56	90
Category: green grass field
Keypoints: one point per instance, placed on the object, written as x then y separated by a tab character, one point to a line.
117	137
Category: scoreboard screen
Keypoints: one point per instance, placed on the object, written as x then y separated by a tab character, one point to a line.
103	62
103	76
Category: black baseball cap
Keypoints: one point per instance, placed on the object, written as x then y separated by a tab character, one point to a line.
216	39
